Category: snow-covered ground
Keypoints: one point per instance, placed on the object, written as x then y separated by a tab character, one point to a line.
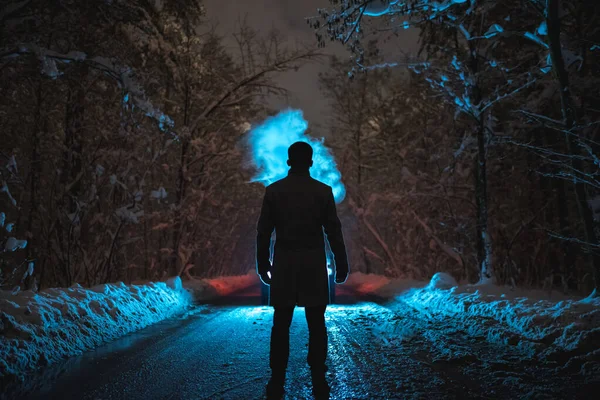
479	329
40	328
540	325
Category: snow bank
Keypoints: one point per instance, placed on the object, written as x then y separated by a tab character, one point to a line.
551	329
40	328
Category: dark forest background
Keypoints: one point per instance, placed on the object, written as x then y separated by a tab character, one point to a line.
122	153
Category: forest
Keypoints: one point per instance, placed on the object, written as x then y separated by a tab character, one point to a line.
123	154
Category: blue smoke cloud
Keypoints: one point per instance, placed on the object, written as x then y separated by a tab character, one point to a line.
269	143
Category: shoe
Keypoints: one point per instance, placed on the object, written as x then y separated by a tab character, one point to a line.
321	388
275	389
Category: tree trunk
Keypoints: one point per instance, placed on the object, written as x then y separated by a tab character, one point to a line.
34	184
178	220
568	114
484	242
70	178
483	239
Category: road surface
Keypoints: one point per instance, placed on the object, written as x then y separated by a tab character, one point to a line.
220	351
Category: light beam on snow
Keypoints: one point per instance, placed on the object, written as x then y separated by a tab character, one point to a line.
269	143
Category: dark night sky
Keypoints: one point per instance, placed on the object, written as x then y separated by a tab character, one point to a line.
288	17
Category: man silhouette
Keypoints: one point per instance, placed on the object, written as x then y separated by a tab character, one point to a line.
299	208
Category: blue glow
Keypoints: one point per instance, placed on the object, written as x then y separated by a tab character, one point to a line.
536	39
467	101
493	31
455	63
464	31
548	66
542	29
269	143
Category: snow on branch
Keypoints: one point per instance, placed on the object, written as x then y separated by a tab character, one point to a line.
546	151
344	21
507	94
575	176
563	161
540	118
123	75
279	65
585	245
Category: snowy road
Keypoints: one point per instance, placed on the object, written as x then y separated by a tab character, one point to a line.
220	351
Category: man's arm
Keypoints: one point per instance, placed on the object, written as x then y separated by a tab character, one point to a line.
333	230
263	238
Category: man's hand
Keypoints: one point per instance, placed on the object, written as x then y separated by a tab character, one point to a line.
340	277
266	278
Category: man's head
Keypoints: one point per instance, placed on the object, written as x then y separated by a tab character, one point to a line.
300	155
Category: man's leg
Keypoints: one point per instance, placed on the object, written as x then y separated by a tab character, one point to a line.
317	341
317	350
280	349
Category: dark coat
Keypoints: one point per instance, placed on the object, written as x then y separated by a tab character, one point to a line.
299	209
